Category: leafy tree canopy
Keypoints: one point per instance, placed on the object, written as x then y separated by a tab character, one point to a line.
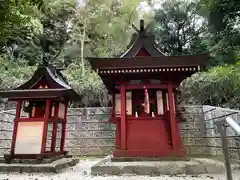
179	29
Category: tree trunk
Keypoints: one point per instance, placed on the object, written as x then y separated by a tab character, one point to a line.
82	48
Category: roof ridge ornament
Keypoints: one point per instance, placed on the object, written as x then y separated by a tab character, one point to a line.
142	30
142	25
44	60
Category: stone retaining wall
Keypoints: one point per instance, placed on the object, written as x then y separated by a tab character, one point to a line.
6	128
89	133
199	132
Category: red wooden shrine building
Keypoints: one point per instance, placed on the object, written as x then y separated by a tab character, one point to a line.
143	83
41	111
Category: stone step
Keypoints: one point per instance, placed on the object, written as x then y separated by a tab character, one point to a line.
35	161
129	159
194	166
51	167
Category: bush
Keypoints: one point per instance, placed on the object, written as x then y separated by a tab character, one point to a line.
14	74
89	86
219	86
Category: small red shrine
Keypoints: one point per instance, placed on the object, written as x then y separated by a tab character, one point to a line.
143	83
41	111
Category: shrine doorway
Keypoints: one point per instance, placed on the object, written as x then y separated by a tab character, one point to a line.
148	130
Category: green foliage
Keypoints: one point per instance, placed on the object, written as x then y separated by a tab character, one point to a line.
102	28
221	14
59	24
219	86
223	27
13	74
179	28
90	86
17	19
107	25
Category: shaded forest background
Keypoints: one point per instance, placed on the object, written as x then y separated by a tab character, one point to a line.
103	28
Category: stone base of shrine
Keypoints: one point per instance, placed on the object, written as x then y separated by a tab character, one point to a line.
156	167
48	165
149	153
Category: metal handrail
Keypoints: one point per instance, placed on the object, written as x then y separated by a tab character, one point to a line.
222	130
233	124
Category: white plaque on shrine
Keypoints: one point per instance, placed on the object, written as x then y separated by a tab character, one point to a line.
160	102
174	104
173	95
117	105
61	111
29	138
129	102
167	101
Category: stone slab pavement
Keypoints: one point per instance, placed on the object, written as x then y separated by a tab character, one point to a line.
82	172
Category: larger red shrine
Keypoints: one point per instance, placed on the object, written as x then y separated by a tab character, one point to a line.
41	114
143	83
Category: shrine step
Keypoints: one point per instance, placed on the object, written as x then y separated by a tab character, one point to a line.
194	166
129	159
35	161
52	167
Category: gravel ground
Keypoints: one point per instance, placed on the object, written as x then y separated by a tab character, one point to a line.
82	172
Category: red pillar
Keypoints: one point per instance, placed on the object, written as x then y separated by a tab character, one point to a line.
123	117
166	117
15	126
64	126
117	132
54	130
172	116
113	114
45	126
164	99
113	102
54	137
117	136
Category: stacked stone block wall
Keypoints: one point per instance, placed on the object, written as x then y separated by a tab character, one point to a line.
6	129
89	133
199	131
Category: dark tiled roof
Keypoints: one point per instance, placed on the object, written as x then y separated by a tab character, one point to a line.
68	94
142	41
144	62
50	73
58	87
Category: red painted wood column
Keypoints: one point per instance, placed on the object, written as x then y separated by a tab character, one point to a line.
164	99
123	117
54	130
113	107
166	116
64	126
15	126
54	137
172	116
117	132
45	126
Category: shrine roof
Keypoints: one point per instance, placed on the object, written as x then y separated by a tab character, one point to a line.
148	62
144	61
68	94
56	85
144	54
143	41
50	73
